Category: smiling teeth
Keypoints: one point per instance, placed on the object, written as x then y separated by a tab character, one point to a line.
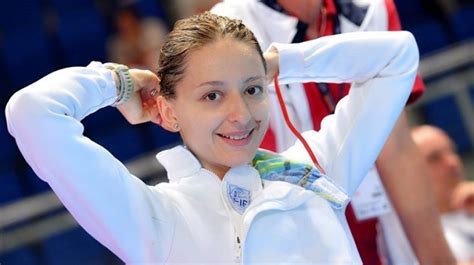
236	137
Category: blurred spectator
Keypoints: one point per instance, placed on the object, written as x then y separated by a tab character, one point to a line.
454	195
137	40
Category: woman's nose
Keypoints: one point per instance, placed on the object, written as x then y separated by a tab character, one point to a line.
238	110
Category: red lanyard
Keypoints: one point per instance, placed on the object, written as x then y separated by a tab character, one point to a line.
292	127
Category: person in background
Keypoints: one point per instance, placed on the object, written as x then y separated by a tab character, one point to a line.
137	40
401	169
454	195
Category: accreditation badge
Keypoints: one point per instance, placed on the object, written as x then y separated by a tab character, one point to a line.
370	200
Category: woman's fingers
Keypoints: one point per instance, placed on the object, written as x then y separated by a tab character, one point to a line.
147	83
142	106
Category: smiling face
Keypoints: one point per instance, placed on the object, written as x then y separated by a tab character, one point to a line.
221	104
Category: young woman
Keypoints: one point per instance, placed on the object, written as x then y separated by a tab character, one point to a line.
220	205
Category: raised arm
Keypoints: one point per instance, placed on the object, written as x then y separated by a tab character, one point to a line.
95	187
381	67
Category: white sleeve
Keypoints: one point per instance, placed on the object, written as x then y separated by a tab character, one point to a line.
381	67
111	204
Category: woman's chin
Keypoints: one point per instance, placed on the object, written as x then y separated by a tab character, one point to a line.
242	159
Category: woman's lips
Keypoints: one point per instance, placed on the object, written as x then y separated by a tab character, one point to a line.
237	138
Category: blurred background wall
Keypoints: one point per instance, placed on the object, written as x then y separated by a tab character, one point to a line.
40	36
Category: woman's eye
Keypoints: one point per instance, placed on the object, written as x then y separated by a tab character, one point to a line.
254	90
212	96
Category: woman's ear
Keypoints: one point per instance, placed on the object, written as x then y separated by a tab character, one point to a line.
167	114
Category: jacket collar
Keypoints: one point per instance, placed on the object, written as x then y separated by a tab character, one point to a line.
278	26
240	186
179	162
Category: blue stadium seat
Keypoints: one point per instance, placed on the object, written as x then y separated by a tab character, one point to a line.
107	117
462	23
68	6
150	8
429	34
20	256
444	113
32	183
8	149
82	37
6	90
408	9
18	14
163	138
76	247
27	55
10	189
124	143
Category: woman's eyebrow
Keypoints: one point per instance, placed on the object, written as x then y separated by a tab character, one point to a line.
212	83
220	83
253	78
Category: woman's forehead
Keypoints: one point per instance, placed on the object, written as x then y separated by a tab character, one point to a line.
223	61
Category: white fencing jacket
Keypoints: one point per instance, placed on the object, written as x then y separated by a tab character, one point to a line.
188	220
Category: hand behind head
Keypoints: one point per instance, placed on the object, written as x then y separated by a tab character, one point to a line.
142	106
